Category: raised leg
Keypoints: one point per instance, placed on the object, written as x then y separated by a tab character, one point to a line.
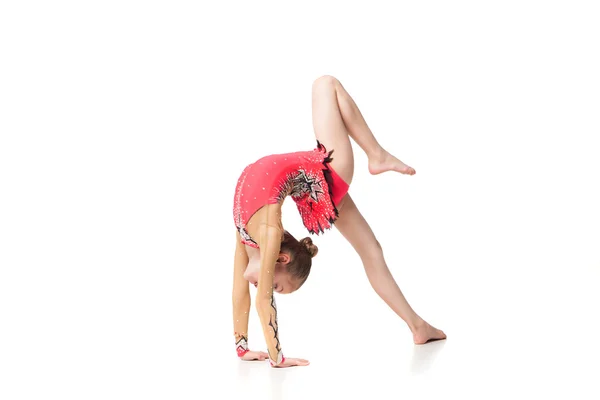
357	231
336	118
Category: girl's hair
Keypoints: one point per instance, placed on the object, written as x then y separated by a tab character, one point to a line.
301	254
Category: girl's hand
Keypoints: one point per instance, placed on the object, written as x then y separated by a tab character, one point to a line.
291	362
255	355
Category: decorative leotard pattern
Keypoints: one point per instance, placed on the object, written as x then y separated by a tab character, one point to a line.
304	176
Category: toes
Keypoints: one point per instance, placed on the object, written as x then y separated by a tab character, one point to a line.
407	170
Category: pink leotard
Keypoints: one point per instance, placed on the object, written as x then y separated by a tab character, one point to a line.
305	176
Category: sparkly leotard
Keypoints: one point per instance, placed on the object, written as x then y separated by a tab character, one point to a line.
305	176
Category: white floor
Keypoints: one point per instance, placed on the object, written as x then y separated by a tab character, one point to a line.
125	125
521	314
516	329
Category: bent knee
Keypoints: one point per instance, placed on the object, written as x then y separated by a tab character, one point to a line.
325	81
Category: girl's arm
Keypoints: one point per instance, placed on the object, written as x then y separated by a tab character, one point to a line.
268	229
270	245
241	298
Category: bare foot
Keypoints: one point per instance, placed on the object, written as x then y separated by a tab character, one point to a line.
387	162
424	333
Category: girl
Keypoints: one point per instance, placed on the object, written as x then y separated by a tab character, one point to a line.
271	259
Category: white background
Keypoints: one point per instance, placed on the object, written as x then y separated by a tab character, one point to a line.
124	126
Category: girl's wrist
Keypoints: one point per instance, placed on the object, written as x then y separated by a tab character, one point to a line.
281	360
241	346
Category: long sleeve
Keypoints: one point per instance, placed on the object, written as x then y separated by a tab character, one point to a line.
270	245
241	299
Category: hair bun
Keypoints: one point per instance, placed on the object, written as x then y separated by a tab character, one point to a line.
310	246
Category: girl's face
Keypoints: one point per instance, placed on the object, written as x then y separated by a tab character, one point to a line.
282	281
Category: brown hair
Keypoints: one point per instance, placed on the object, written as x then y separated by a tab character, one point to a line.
301	254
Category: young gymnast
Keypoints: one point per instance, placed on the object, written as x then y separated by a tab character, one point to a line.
271	259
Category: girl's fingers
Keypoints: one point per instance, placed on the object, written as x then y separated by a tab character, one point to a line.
255	355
